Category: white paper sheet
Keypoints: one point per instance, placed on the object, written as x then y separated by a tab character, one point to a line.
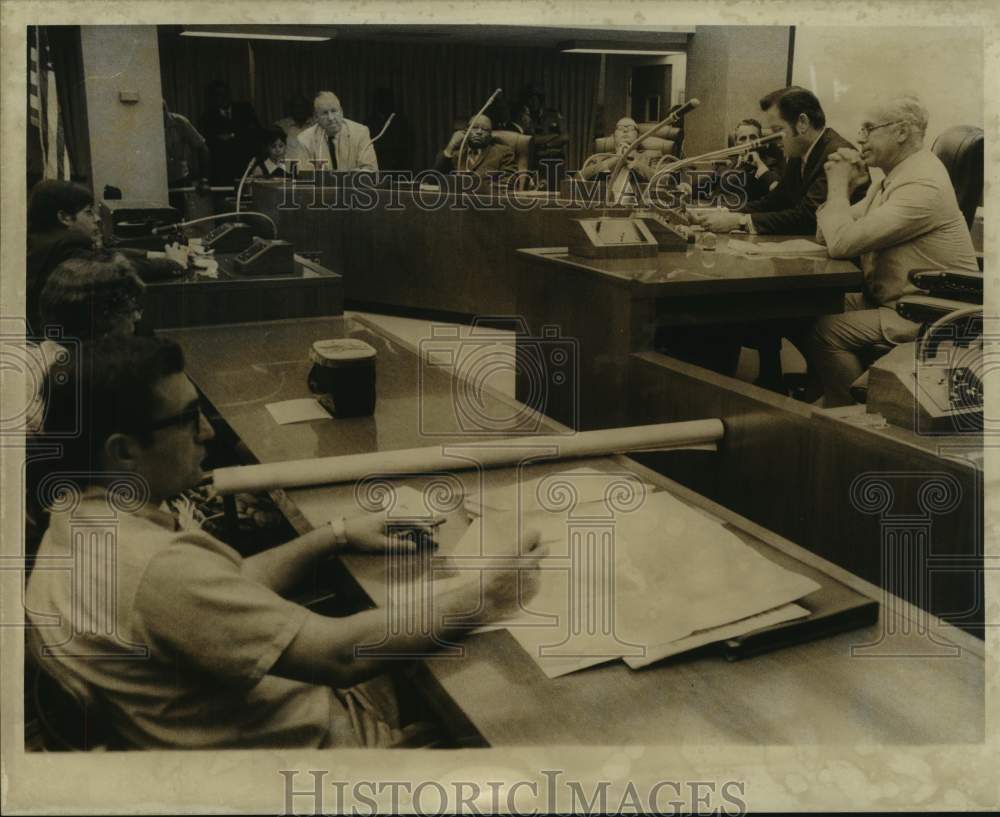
657	652
297	411
626	583
794	247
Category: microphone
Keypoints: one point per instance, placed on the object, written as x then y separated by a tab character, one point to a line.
461	148
385	127
682	111
243	178
378	136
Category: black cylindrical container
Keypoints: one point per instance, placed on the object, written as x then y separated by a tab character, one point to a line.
343	374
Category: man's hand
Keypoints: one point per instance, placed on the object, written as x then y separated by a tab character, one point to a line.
454	143
179	254
717	221
368	532
846	167
500	587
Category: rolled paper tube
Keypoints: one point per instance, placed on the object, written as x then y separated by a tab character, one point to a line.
487	454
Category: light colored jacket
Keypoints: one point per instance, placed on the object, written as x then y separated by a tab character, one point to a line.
353	147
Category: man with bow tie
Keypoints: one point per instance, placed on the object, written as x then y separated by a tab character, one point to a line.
335	142
481	154
909	220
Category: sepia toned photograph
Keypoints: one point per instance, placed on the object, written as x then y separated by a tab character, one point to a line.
499	409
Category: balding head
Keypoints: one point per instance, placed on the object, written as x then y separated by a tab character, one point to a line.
626	132
480	132
891	130
328	112
908	109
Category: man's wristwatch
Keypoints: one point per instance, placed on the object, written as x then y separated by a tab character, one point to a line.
339	525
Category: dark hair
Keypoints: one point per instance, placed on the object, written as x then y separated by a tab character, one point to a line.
266	137
86	296
299	109
49	198
110	390
752	123
792	102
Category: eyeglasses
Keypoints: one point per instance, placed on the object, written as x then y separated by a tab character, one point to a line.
865	130
191	416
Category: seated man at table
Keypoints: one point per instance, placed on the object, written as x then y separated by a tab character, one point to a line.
481	154
185	643
790	208
638	166
908	220
334	142
754	173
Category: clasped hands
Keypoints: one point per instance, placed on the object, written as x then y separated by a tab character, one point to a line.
845	167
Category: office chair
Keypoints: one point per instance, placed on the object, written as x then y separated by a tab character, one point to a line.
667	140
943	292
70	717
960	149
524	151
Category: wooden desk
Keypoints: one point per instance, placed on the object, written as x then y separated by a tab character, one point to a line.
310	290
419	253
613	307
893	507
812	694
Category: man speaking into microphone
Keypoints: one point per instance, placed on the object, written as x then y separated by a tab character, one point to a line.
335	142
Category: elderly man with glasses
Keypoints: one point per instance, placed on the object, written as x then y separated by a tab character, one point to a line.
908	220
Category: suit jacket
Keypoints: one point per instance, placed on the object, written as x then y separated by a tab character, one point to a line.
229	156
497	158
790	209
353	147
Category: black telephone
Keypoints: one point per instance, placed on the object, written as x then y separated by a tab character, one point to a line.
233	236
266	257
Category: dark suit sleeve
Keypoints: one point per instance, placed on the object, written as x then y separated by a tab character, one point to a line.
506	163
442	164
797	219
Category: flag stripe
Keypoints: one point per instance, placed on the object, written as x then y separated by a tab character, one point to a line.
44	111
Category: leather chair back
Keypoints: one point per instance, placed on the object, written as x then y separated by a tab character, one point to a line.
520	143
960	149
666	141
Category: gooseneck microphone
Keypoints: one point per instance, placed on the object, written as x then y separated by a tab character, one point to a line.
468	127
669	119
243	179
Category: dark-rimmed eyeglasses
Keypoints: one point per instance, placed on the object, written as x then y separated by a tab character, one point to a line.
865	130
189	417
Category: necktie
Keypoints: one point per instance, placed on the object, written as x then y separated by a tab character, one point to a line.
332	143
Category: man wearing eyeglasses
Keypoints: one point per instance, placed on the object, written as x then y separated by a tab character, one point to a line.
182	641
908	220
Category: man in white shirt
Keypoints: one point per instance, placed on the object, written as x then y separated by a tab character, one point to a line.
909	220
185	643
334	142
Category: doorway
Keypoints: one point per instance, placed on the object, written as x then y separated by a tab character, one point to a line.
651	92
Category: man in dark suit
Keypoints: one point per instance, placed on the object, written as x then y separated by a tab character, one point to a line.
790	208
480	154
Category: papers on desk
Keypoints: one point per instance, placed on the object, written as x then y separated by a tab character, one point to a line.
297	411
578	485
781	249
636	579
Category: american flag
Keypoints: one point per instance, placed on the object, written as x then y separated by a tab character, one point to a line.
45	121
